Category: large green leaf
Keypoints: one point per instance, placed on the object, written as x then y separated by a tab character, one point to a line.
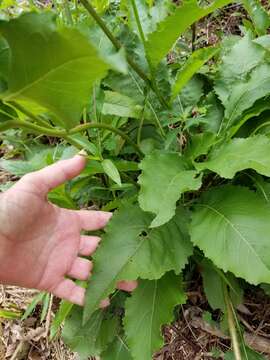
169	30
92	338
231	226
130	250
192	65
247	354
244	95
151	306
164	178
240	154
258	14
51	66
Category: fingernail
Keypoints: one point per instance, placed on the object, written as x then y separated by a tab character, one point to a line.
82	153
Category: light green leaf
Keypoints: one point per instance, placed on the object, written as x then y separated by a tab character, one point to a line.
234	68
120	105
118	350
111	170
92	338
150	306
192	65
169	30
263	41
244	95
31	307
258	14
164	178
130	250
57	69
61	315
240	154
231	226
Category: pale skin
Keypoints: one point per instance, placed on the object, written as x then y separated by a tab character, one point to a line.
41	245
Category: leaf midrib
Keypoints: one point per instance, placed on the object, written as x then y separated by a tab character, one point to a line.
43	77
236	230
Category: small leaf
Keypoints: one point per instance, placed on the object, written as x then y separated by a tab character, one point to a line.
164	178
240	154
58	67
130	250
151	306
231	226
111	170
10	315
61	315
120	105
213	286
171	28
192	65
31	307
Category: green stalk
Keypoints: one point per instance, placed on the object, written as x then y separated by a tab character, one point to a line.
26	112
87	126
66	134
118	46
231	323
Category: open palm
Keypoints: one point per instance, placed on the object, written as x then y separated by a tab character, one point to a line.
40	243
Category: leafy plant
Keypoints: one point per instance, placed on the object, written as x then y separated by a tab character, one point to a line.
179	152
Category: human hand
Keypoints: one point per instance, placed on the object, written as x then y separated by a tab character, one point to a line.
40	243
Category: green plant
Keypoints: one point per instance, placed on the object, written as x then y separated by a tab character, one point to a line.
180	151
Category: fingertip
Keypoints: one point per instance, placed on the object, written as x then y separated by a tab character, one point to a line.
104	303
128	286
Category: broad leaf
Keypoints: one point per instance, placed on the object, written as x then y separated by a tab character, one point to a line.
258	14
150	306
130	250
118	350
192	65
171	28
231	226
51	66
165	248
92	338
164	178
244	95
240	154
235	68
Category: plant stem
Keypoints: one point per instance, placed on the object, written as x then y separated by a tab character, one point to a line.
65	134
118	46
35	118
232	328
87	126
267	123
